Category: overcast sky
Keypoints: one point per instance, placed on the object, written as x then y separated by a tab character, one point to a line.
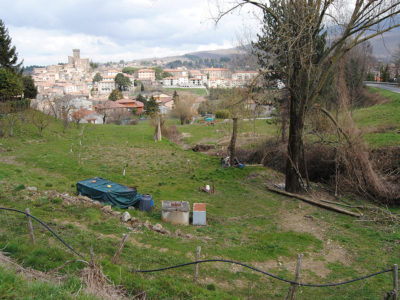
45	31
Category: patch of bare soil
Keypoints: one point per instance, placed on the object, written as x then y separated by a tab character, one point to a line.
302	221
27	273
10	160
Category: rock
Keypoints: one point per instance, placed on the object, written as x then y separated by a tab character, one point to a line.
134	220
116	213
84	198
96	204
189	236
147	224
158	227
166	231
31	188
131	208
125	217
178	232
107	209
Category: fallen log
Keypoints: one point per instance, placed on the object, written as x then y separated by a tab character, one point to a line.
315	202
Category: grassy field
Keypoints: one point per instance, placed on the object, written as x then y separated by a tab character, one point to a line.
200	92
381	122
245	221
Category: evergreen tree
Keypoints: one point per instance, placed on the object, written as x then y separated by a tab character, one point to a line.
10	85
151	107
122	82
30	90
141	99
97	77
175	97
8	54
115	95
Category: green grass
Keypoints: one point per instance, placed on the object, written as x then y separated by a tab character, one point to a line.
249	131
200	92
13	286
383	119
245	222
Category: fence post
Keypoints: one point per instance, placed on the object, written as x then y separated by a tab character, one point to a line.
196	267
30	226
395	282
292	290
121	246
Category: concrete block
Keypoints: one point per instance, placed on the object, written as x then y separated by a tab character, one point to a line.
199	214
175	212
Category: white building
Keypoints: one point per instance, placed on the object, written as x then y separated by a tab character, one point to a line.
105	86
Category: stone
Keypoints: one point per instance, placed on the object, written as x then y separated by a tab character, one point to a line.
178	232
32	188
107	209
96	204
158	227
131	208
147	224
125	217
116	213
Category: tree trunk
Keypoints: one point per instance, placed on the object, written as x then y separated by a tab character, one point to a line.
157	133
295	148
232	145
284	122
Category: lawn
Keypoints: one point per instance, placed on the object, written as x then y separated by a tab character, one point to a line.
245	222
382	121
200	92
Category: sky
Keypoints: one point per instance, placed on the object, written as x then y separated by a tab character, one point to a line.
45	31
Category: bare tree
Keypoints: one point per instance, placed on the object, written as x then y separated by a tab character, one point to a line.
39	119
183	108
294	46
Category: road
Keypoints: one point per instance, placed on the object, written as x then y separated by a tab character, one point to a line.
391	88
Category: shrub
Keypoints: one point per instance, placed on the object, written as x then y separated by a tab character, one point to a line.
222	114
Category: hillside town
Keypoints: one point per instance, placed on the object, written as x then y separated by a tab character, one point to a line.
84	91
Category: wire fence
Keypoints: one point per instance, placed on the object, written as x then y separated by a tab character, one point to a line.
394	269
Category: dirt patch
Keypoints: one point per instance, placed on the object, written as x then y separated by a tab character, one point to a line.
27	273
302	221
10	160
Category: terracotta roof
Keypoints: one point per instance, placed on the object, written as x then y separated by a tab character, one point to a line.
82	113
130	101
110	105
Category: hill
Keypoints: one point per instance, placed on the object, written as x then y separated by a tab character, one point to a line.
246	222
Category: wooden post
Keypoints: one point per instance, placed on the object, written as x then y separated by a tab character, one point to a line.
292	290
196	267
395	282
30	226
121	246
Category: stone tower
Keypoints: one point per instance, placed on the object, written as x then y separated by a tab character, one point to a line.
76	53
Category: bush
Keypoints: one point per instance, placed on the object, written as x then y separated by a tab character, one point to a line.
222	114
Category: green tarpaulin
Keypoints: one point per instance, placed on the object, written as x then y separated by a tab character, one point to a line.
104	190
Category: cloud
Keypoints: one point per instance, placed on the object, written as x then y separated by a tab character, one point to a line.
44	31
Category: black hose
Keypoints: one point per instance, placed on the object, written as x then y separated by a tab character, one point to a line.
45	226
261	271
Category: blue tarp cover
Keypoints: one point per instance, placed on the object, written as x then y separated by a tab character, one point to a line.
104	190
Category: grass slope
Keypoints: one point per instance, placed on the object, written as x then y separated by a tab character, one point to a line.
245	222
382	120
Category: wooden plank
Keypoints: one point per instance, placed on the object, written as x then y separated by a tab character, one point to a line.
315	202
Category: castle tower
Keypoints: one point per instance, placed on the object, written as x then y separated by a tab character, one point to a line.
76	53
